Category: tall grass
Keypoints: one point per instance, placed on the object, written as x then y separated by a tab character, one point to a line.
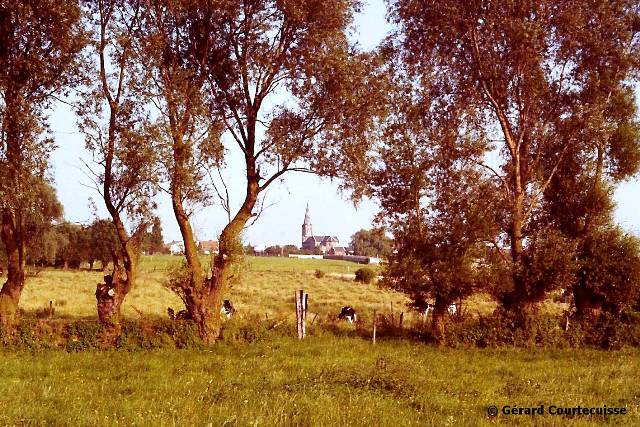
322	381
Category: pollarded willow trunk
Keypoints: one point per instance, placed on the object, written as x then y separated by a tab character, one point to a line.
111	294
438	321
204	301
12	288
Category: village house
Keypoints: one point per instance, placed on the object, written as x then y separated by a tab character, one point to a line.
208	247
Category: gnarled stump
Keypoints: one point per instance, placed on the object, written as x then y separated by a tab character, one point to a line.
109	299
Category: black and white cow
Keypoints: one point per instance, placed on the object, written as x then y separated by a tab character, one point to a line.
227	309
349	314
181	315
427	308
453	309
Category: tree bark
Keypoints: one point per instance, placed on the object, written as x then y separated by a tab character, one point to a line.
438	321
11	234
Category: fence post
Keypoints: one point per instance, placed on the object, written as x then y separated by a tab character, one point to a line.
393	319
50	308
302	302
374	327
401	319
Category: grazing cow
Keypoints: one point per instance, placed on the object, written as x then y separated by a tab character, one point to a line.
453	309
428	308
349	314
227	309
182	314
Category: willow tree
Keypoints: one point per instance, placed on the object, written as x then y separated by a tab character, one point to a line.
523	67
288	89
113	118
579	200
433	195
39	46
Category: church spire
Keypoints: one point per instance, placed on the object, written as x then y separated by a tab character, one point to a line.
306	226
307	217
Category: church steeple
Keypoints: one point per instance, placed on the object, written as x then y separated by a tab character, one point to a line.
306	226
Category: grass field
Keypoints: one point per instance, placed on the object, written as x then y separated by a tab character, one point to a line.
323	381
334	377
266	287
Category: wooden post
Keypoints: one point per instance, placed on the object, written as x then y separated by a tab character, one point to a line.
298	314
50	308
302	302
393	320
305	305
374	327
401	319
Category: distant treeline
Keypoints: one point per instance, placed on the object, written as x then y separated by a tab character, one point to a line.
69	245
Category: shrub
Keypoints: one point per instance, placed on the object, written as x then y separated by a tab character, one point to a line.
365	275
319	274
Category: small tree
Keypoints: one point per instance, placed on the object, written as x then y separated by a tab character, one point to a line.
113	118
40	43
364	275
609	277
103	242
373	243
433	196
153	242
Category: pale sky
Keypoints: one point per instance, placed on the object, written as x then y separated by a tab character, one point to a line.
331	212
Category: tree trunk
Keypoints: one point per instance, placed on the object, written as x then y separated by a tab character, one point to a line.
438	321
587	303
109	299
11	233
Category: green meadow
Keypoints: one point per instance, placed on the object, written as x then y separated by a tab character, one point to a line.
334	377
322	381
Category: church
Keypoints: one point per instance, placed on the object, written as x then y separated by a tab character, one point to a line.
326	244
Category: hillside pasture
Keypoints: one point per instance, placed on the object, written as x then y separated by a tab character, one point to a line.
266	287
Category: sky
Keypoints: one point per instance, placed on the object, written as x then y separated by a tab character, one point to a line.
332	213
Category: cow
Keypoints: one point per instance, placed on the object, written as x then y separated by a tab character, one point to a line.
181	315
427	308
349	314
453	309
227	309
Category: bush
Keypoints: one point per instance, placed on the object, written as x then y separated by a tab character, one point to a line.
365	275
319	274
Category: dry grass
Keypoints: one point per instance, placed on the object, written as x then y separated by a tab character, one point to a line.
266	287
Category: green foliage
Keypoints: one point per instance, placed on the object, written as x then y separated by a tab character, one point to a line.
103	241
546	331
609	274
365	275
152	241
373	243
548	263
